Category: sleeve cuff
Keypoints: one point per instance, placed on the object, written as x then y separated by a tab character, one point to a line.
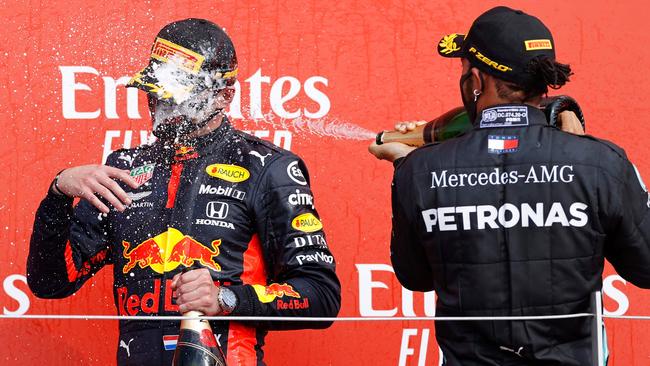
57	207
246	298
398	161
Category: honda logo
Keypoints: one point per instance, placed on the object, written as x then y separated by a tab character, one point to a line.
216	210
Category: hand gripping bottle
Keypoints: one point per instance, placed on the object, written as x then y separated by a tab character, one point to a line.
451	124
197	345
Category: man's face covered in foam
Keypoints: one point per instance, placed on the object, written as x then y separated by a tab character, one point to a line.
171	120
195	101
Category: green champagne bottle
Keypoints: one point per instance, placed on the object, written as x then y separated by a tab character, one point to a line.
449	125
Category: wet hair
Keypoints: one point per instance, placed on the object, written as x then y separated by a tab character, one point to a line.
546	73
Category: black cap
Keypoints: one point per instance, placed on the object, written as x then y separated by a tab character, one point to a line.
502	42
187	56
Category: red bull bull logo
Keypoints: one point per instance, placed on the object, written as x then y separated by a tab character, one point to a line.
143	255
188	250
166	251
270	292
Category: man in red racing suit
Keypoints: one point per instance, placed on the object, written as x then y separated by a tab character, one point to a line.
237	211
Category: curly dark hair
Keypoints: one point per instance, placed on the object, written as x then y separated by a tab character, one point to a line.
546	73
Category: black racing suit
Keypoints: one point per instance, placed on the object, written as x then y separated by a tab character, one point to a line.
515	218
234	204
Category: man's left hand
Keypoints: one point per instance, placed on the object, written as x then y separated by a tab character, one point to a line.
390	151
569	122
195	290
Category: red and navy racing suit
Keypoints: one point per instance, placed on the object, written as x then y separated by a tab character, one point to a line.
234	204
516	218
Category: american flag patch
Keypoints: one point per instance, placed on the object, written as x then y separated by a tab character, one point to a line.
502	144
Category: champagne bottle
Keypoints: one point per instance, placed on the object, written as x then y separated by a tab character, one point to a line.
456	122
451	124
197	345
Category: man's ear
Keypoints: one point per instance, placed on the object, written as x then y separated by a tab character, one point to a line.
477	79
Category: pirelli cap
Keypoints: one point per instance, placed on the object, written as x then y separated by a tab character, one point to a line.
502	42
187	56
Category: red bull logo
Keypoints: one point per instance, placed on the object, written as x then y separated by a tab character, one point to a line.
143	255
188	250
269	293
293	304
166	251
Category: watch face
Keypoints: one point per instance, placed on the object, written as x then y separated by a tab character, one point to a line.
229	298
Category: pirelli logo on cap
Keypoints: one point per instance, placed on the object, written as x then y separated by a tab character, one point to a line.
538	44
166	51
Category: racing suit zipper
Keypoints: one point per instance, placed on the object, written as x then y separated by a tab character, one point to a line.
174	183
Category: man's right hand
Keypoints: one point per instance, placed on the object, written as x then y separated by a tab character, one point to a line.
90	182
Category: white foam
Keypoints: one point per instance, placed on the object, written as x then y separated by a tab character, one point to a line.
320	127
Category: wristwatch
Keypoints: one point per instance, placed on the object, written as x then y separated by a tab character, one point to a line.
54	186
227	300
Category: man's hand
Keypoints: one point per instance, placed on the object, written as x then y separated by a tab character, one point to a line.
195	290
90	181
567	121
392	151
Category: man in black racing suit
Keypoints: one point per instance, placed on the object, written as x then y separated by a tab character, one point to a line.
235	210
515	217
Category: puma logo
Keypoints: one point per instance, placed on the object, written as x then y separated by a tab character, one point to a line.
126	346
256	154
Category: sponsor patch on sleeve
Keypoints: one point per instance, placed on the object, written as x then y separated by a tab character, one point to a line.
267	294
295	173
307	223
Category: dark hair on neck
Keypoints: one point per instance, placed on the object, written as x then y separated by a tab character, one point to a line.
546	73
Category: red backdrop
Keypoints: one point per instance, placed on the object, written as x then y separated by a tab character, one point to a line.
374	63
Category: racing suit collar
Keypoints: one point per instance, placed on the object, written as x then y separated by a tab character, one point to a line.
201	145
510	115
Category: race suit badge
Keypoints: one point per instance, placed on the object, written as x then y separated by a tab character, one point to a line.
143	173
502	144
